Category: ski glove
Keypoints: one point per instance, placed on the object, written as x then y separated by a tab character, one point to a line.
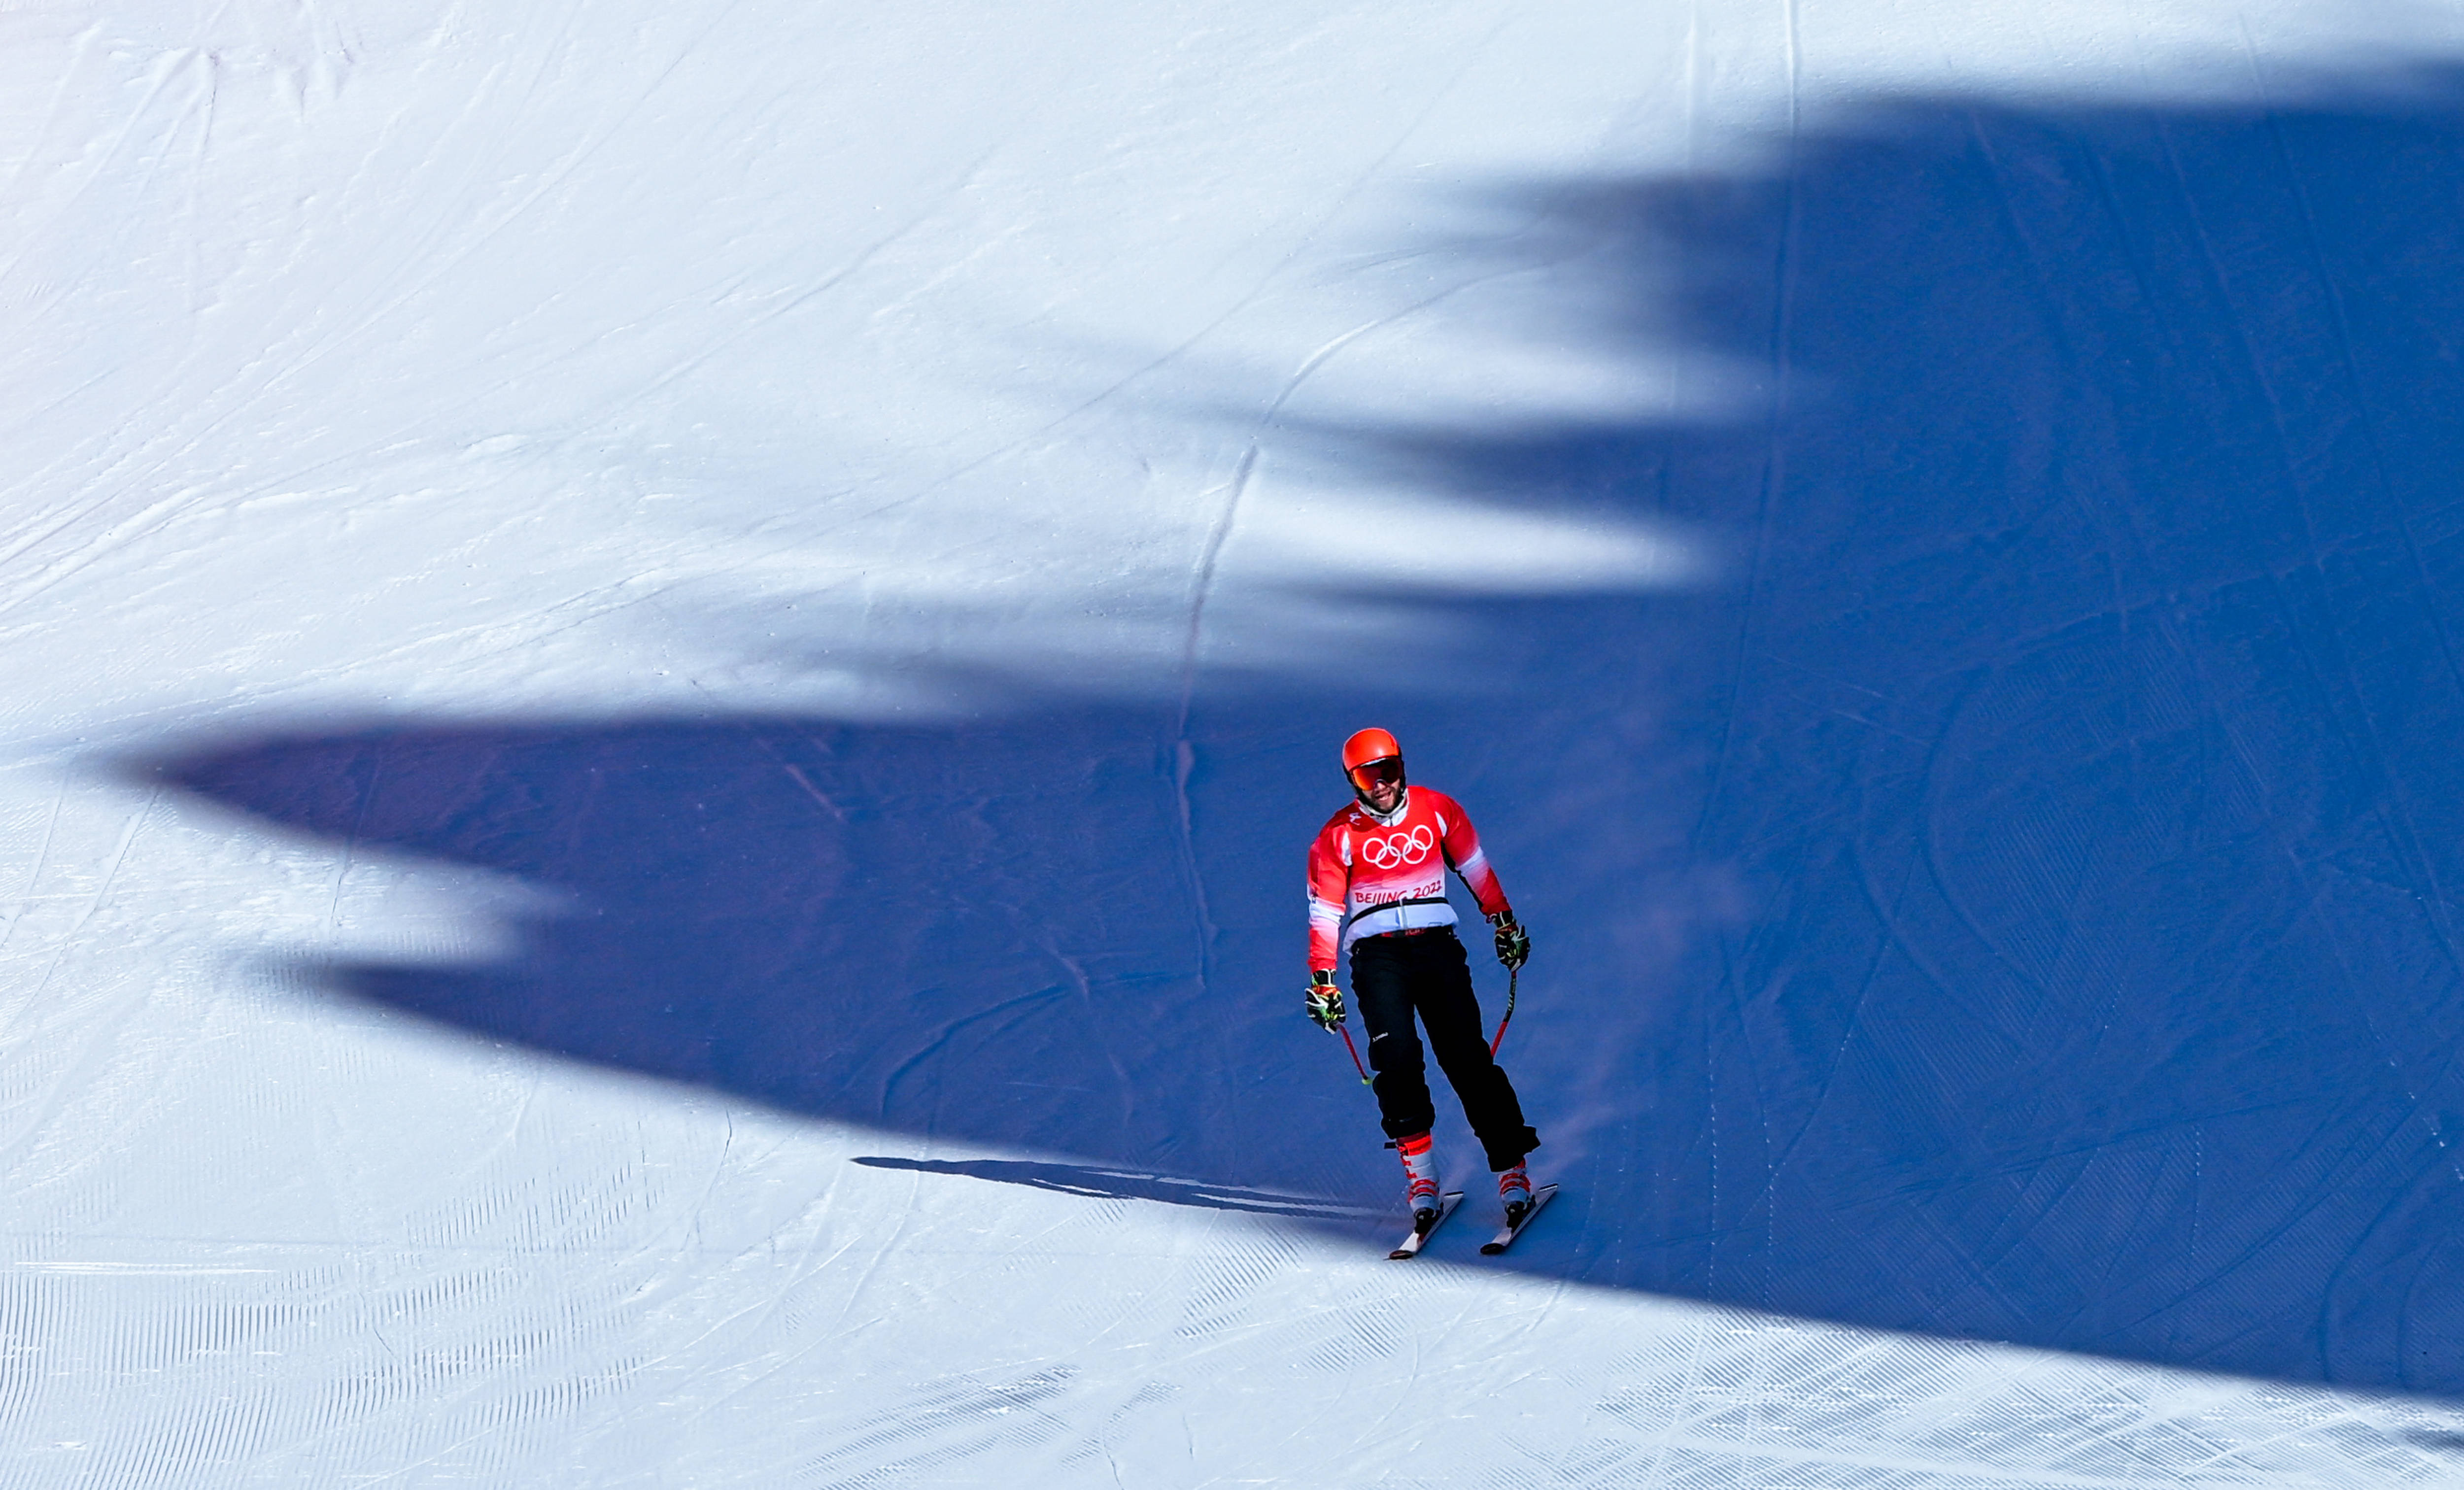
1513	942
1325	1000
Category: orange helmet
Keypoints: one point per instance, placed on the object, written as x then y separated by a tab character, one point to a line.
1371	748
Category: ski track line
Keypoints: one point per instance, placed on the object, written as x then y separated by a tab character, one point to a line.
102	891
83	48
93	1053
2364	744
35	876
164	68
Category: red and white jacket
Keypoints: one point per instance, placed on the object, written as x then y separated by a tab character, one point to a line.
1370	874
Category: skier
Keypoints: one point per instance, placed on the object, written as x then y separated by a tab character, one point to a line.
1377	886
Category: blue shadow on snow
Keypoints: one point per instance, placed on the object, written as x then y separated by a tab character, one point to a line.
2014	906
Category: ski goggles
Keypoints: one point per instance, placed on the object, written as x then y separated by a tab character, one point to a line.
1372	773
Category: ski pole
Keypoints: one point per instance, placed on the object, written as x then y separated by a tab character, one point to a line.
1512	974
1355	1052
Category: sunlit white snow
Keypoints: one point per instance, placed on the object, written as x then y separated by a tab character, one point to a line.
388	361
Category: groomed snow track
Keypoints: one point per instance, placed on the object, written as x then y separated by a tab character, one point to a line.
666	667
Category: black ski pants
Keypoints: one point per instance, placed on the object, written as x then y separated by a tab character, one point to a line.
1395	976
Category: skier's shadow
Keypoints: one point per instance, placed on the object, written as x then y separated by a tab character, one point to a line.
2018	906
1103	1184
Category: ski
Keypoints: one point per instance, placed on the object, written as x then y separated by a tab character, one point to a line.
1505	1237
1416	1239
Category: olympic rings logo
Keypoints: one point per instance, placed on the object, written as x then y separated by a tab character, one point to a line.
1384	853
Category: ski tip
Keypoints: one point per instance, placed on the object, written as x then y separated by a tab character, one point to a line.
1506	1239
1411	1244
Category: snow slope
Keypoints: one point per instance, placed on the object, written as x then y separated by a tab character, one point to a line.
666	667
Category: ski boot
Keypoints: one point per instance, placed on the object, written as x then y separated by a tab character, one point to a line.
1514	1189
1420	1172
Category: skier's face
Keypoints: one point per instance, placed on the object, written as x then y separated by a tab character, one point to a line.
1380	783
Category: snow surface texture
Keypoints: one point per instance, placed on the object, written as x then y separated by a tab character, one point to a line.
666	667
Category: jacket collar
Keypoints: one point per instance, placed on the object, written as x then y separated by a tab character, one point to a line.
1387	820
